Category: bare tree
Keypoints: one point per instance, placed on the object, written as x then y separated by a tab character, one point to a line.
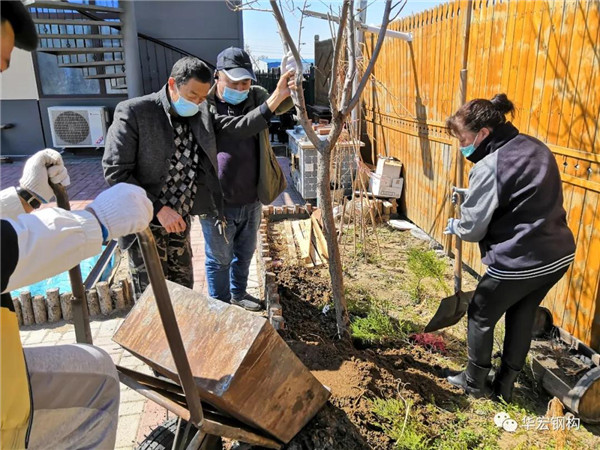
342	101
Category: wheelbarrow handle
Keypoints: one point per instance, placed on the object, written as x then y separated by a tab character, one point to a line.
81	315
163	300
171	328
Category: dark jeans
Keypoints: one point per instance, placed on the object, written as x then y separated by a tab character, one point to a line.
175	252
228	256
519	299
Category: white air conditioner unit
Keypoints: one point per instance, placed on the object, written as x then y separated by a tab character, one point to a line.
78	126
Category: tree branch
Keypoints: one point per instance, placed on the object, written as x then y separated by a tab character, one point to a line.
300	25
236	6
298	97
399	10
339	43
375	54
351	69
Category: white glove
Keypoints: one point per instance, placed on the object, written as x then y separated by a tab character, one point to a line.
123	209
288	63
43	166
450	227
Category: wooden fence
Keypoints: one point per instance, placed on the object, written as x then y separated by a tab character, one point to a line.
545	55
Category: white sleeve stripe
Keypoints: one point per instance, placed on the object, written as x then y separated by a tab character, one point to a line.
558	261
520	276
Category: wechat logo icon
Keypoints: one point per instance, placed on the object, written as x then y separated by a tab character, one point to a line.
504	421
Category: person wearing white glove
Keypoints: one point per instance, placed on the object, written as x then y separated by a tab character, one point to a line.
43	168
108	209
53	240
39	406
450	226
458	194
34	247
288	63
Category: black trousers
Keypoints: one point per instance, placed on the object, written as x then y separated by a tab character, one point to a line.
519	299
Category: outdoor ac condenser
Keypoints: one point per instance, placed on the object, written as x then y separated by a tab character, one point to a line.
78	126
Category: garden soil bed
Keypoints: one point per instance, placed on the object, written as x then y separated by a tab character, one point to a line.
432	414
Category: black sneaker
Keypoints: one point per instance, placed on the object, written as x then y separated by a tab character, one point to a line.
248	302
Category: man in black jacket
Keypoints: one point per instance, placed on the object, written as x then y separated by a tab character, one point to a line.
248	173
165	142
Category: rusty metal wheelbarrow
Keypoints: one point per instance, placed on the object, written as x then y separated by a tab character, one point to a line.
230	406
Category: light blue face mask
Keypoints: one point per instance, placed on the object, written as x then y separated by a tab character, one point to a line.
184	107
234	97
469	149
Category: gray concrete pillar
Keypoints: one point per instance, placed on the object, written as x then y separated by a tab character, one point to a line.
133	67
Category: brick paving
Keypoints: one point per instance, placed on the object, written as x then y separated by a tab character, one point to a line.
137	416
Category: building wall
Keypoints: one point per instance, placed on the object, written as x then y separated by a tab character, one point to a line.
18	83
202	28
19	108
26	135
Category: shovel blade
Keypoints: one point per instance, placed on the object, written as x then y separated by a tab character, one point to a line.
450	311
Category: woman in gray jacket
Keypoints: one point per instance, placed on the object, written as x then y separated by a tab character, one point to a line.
513	208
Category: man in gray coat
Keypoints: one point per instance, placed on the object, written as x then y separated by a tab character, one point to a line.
165	142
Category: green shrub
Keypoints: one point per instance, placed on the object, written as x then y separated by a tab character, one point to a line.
396	423
376	327
425	264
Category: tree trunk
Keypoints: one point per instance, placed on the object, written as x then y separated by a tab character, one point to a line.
335	262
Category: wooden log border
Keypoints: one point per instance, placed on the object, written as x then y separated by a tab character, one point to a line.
269	287
55	305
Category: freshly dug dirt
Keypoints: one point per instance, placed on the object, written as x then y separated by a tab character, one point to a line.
408	368
355	377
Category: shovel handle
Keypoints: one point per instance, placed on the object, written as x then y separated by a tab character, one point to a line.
458	240
458	264
81	315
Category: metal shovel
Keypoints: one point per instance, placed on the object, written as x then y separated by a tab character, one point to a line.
452	308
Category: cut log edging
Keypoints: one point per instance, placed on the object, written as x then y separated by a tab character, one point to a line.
270	289
102	299
276	213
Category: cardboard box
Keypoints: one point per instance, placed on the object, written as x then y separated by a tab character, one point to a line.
380	188
398	183
388	167
382	181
